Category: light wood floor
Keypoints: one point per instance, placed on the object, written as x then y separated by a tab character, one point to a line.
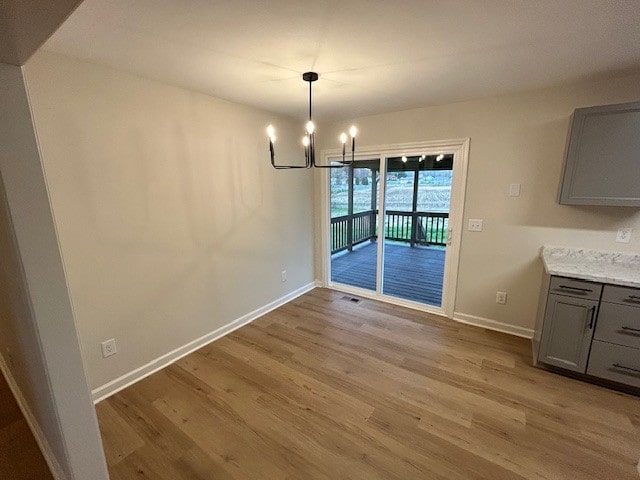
323	388
20	457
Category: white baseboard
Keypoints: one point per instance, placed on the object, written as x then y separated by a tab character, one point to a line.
163	361
493	325
41	440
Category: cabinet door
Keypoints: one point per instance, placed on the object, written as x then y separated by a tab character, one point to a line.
567	332
602	165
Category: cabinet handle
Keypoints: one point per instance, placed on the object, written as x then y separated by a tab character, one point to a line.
637	330
622	367
593	312
633	298
584	290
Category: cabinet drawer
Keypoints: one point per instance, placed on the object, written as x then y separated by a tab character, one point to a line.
614	362
575	288
621	295
618	324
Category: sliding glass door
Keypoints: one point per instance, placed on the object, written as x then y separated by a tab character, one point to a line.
394	224
417	199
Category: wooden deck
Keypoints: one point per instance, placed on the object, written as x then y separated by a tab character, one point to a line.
412	273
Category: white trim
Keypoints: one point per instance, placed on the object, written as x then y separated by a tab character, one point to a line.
325	213
456	216
167	359
460	150
38	434
427	147
493	325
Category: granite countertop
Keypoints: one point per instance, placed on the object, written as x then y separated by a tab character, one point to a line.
594	265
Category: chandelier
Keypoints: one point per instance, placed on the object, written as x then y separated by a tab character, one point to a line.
309	139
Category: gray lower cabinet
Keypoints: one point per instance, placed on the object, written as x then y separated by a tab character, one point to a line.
567	332
615	362
591	328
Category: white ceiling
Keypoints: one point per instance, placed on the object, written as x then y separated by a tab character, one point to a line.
373	56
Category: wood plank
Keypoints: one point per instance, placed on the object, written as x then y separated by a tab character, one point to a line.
413	273
20	456
323	388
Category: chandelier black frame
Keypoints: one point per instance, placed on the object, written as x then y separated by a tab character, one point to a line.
309	139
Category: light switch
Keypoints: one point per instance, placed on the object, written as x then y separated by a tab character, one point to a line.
475	225
514	190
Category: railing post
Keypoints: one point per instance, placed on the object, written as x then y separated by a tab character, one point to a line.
350	211
414	207
414	228
372	225
374	201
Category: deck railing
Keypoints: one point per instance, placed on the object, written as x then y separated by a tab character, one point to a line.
350	230
415	228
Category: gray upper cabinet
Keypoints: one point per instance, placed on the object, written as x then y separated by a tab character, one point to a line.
603	157
567	332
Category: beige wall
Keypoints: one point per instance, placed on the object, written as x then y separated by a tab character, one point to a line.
172	222
514	139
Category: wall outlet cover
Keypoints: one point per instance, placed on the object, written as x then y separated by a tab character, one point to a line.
109	348
283	276
624	235
475	225
501	298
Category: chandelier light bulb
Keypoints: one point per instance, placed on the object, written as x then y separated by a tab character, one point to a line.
310	127
353	131
404	159
271	132
439	157
305	141
423	157
343	138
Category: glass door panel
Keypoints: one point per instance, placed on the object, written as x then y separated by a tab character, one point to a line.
353	225
417	197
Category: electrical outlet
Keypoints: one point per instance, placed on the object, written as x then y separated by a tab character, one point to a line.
283	276
475	225
501	297
624	235
108	348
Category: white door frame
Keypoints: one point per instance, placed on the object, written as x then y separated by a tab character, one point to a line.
460	150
